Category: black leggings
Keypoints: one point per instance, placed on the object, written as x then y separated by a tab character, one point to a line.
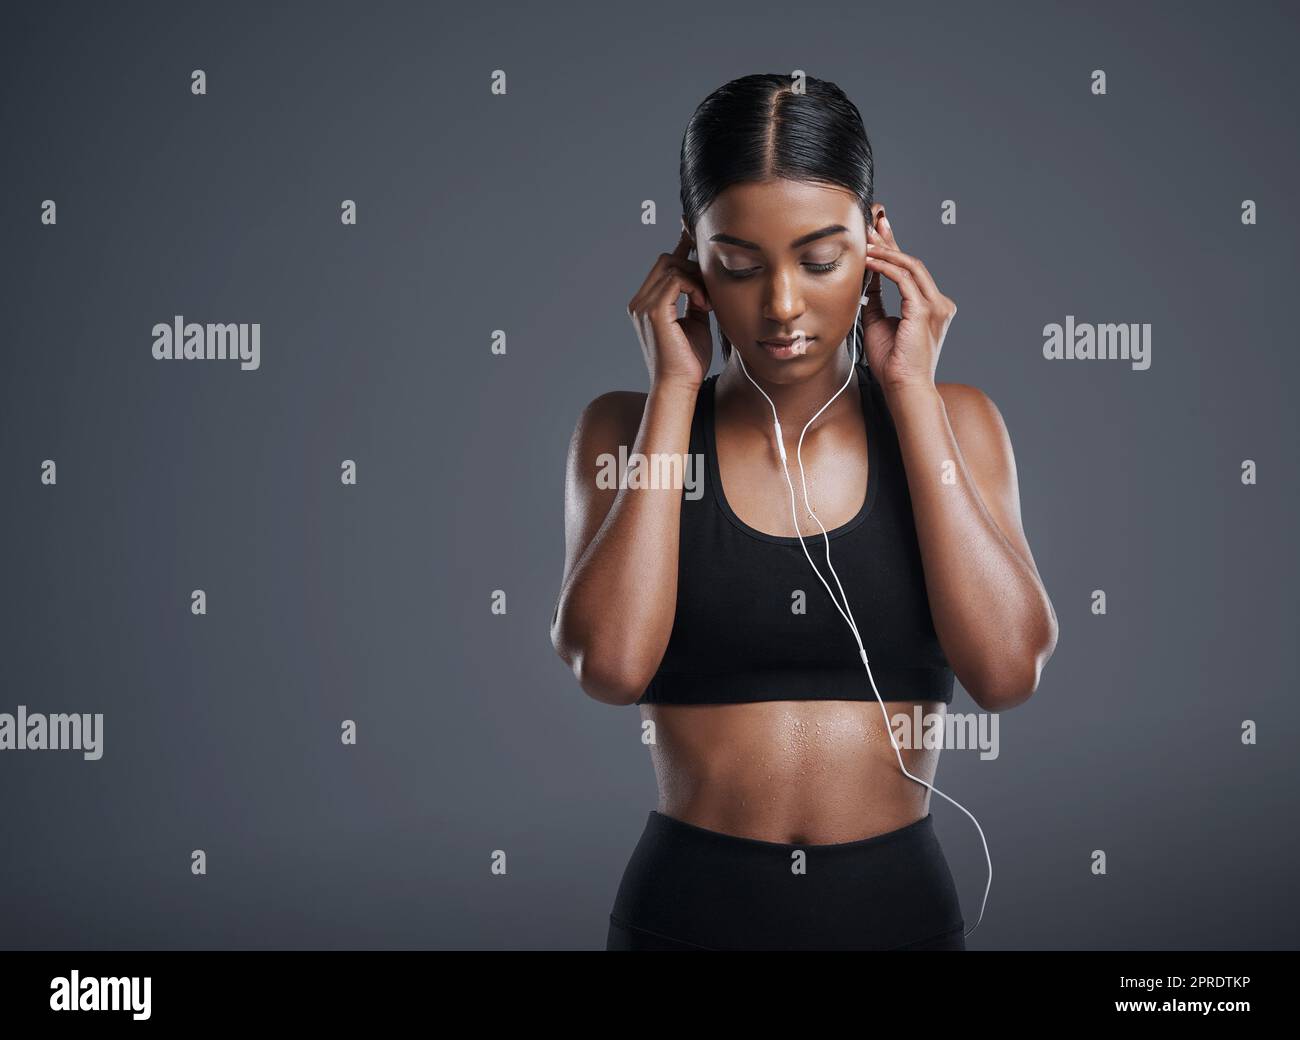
690	888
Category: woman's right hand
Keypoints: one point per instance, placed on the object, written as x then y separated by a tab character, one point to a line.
677	350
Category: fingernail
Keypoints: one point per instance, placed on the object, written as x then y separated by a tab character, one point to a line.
885	221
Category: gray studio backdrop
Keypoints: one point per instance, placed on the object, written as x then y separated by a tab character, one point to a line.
521	212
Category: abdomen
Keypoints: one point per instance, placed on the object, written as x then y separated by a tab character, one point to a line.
799	772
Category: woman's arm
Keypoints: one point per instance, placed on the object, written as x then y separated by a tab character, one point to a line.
991	612
618	597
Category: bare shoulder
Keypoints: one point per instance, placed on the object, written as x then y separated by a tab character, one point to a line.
985	445
611	418
963	395
976	421
618	402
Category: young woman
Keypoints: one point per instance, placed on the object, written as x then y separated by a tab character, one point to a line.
790	814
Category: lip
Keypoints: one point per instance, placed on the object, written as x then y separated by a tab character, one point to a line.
784	348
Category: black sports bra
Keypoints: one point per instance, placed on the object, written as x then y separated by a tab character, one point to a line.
743	632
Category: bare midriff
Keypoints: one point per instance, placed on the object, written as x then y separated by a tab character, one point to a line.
797	772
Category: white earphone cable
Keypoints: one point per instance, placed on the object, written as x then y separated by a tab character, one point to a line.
848	618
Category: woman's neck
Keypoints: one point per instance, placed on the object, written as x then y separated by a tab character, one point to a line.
796	402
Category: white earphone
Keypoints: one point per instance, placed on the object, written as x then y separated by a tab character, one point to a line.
848	618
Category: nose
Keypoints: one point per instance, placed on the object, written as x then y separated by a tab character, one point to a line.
783	304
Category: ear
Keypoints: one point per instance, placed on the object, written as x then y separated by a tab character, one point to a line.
877	211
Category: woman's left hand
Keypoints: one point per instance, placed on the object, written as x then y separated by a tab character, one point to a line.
903	352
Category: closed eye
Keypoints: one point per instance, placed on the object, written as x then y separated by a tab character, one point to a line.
748	272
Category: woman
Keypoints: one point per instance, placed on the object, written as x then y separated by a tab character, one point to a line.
790	815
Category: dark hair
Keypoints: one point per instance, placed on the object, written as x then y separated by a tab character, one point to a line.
757	127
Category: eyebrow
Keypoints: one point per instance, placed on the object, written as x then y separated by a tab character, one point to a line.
803	240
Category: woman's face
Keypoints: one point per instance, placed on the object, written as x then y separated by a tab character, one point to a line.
784	260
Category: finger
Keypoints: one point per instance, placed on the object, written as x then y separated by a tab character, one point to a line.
875	307
922	273
691	271
684	246
674	283
888	232
653	277
929	290
912	298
